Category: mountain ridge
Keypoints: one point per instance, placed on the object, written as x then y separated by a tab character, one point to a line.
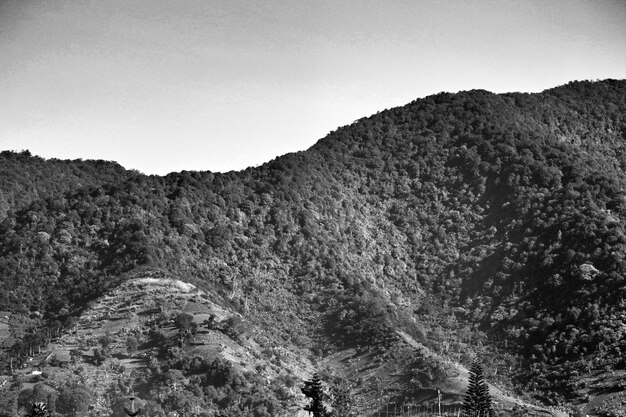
454	219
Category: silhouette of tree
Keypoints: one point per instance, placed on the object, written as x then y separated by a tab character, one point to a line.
477	398
313	389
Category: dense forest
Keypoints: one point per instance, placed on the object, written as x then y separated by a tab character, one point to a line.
474	222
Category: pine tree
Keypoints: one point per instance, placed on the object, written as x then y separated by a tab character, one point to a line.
313	389
477	399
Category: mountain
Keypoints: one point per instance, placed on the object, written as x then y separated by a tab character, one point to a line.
388	255
26	178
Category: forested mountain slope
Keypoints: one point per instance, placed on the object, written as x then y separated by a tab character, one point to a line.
25	178
474	222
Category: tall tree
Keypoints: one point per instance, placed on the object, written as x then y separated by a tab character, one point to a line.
313	389
477	398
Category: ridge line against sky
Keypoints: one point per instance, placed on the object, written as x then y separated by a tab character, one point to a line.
163	85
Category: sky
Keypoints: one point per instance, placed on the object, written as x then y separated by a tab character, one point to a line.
219	85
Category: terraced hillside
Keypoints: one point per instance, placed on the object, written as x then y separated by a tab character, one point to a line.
95	353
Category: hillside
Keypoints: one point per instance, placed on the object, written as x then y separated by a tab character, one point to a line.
473	223
25	178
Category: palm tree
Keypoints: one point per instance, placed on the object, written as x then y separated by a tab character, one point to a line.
39	410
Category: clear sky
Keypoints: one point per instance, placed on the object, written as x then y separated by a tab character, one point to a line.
167	85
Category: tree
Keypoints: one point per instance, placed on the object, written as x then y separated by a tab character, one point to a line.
39	410
74	401
184	322
131	344
41	394
477	401
8	404
186	327
313	389
210	322
342	399
75	355
100	355
234	327
106	341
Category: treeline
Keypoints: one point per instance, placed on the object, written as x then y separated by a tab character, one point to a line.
25	178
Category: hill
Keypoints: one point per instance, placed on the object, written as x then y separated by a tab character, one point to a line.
472	223
175	347
26	178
